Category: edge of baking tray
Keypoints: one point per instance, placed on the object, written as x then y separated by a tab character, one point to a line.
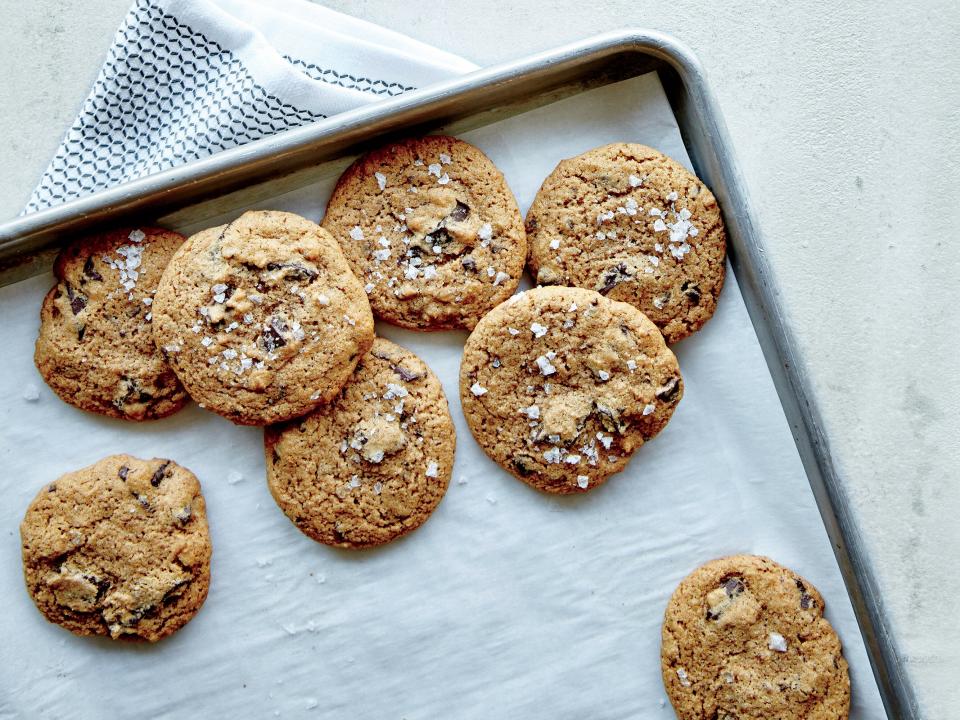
706	137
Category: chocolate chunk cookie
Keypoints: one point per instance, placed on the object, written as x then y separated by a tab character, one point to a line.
432	231
744	637
262	319
374	463
560	386
95	349
120	548
634	225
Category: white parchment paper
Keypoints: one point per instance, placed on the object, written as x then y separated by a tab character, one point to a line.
507	604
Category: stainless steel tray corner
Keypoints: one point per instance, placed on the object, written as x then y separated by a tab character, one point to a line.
26	243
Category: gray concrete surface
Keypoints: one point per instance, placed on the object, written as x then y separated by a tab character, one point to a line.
845	119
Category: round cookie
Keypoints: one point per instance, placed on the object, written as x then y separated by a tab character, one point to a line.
119	548
560	386
95	348
432	231
374	463
636	226
744	637
262	319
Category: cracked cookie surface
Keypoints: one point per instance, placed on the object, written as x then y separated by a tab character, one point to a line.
636	226
560	386
262	319
744	637
432	231
374	463
95	347
119	548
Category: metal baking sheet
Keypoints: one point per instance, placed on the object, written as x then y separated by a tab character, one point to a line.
264	570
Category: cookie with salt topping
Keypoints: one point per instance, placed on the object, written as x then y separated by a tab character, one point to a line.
432	231
744	637
262	319
95	348
636	226
561	385
374	463
120	548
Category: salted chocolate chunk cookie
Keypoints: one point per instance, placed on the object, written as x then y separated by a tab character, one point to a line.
262	319
95	349
374	463
745	638
432	231
560	386
120	548
634	225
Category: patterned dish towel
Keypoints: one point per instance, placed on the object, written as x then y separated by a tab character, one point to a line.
187	78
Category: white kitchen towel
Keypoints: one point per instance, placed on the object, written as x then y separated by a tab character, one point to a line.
187	78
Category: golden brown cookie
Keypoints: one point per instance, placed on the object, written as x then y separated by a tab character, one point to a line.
95	348
744	637
634	225
374	463
120	548
432	231
262	319
560	386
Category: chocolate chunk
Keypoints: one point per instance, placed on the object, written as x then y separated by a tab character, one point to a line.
669	391
159	474
460	212
440	237
294	271
692	291
405	375
102	586
609	417
122	472
469	264
90	271
52	487
272	338
806	600
613	277
524	464
81	331
130	388
77	302
734	586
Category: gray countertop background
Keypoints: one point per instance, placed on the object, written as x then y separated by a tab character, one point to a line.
846	121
